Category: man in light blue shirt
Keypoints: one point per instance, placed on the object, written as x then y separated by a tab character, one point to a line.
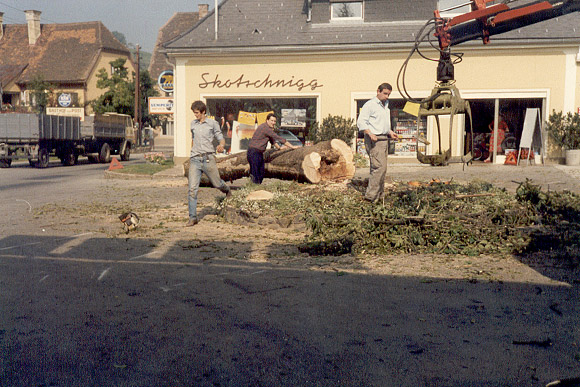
375	120
202	157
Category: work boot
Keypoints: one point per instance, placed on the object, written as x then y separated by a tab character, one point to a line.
192	222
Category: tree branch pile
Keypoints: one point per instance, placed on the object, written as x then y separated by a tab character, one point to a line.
433	217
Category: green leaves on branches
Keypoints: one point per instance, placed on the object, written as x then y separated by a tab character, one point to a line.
333	127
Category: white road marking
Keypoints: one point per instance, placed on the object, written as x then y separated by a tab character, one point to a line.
103	274
37	243
155	254
29	206
17	246
68	246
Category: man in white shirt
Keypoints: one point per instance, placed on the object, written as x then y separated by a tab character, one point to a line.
375	120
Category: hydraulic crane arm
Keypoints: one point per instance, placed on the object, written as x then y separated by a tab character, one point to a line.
483	22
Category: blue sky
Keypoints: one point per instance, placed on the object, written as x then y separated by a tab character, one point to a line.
138	20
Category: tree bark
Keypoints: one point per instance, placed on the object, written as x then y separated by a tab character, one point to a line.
326	161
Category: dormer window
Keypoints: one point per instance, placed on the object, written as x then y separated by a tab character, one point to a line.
346	10
450	8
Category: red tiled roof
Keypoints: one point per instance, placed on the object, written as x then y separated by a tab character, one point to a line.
64	53
8	73
179	23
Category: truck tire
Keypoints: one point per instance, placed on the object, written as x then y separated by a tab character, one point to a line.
105	154
69	157
126	152
5	163
43	158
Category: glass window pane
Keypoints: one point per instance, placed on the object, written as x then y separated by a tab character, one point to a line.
445	4
347	10
226	110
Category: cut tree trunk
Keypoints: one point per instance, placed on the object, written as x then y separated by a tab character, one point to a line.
326	161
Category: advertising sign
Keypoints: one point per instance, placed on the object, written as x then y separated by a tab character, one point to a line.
161	105
293	118
165	81
68	112
241	135
64	99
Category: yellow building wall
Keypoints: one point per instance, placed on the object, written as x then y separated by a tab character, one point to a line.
334	78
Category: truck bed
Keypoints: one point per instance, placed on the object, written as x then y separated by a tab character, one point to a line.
105	126
28	127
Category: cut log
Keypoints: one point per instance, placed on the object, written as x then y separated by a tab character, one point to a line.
326	161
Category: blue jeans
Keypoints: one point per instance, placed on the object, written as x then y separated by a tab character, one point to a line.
198	165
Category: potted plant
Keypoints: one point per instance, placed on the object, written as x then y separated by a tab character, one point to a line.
564	130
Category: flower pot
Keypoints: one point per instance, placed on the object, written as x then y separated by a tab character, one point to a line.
573	157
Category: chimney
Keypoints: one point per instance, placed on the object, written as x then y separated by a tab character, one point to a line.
33	20
1	25
202	10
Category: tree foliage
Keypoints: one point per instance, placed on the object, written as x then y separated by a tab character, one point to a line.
119	95
120	37
146	87
119	90
40	93
333	127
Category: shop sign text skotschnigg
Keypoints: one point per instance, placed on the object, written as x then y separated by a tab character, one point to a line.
291	82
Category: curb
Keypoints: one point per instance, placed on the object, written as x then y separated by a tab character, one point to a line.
133	176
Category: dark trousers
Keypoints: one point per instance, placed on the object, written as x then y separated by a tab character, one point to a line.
257	166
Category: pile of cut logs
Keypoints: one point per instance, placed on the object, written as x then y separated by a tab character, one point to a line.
326	161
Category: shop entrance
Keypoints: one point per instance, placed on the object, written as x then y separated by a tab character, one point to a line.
512	113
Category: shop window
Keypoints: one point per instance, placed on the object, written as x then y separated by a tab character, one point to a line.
405	125
297	115
351	10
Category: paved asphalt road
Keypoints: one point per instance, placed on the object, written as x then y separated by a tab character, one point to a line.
86	310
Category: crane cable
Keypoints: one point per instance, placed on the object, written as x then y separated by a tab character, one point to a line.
421	36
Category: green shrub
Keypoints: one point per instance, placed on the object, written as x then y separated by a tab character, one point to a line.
333	127
564	130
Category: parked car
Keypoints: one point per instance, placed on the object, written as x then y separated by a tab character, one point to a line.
289	136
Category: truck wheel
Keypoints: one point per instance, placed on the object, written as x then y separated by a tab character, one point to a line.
105	155
43	158
126	153
69	158
31	162
5	163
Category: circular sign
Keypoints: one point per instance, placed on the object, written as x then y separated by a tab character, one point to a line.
165	81
64	99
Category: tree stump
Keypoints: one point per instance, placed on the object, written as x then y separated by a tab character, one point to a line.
326	161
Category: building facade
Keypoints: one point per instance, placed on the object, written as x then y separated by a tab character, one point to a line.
327	57
66	56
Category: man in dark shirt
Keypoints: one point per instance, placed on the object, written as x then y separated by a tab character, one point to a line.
257	147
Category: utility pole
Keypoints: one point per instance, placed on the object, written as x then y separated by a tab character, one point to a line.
137	114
